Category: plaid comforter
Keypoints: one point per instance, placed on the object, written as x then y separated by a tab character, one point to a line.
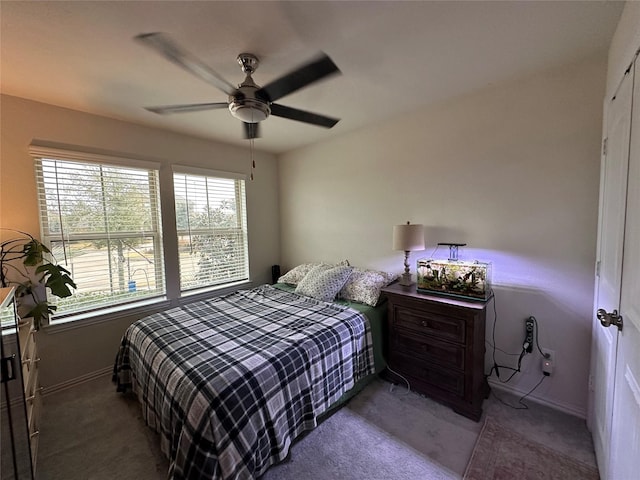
230	382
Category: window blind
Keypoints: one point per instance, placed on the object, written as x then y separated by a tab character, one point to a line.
212	229
103	221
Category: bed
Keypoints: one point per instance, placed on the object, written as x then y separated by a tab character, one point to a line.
230	382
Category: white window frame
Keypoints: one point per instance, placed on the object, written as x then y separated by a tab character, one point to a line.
242	230
173	296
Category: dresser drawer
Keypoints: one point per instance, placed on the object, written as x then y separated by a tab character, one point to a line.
428	323
29	356
427	348
430	374
32	386
33	409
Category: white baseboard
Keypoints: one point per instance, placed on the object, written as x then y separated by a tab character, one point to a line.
570	409
77	381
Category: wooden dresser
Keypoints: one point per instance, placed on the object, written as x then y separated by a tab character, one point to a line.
21	392
437	343
32	389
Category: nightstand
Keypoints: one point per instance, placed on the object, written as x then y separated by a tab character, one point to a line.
437	343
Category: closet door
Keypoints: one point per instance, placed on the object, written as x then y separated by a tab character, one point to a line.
613	181
615	362
625	440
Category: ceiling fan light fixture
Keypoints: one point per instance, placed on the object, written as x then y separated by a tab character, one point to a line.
249	110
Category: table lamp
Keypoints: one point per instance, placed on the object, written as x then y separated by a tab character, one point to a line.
408	238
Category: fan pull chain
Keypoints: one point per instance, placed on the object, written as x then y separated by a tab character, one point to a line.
253	161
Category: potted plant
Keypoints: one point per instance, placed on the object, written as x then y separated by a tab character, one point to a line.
25	264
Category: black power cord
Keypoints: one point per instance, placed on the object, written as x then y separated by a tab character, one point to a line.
523	406
496	368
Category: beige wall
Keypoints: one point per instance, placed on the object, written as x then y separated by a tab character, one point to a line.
511	170
69	354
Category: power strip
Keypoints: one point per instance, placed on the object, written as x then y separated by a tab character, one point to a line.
527	345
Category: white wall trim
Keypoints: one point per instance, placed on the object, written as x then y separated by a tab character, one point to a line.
45	149
140	309
14	402
633	384
563	407
103	372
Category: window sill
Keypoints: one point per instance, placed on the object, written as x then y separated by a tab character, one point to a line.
202	293
139	309
107	315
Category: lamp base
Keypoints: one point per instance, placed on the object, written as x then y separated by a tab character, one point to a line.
405	280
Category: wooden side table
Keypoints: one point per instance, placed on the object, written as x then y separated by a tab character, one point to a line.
437	343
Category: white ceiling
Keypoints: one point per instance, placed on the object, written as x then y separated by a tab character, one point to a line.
394	56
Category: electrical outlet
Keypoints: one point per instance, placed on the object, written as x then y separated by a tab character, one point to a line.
548	361
527	345
549	352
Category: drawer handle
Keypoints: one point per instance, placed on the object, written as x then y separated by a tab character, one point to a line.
35	434
424	323
37	359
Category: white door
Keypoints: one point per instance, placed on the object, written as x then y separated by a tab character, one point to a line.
613	181
624	459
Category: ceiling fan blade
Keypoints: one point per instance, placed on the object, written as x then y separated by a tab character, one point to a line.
166	47
302	116
193	107
251	130
302	76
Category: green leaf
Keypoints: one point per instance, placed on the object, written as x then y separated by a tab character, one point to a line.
57	279
40	312
33	251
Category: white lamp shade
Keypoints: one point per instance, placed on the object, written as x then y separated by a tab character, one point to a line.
409	237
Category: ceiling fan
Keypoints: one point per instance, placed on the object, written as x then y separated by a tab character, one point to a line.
248	102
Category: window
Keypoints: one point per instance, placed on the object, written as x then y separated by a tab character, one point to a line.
101	216
102	220
211	228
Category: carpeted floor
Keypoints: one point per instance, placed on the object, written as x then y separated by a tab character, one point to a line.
90	432
502	454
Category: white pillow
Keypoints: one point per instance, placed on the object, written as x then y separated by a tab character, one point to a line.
293	276
323	283
364	286
391	277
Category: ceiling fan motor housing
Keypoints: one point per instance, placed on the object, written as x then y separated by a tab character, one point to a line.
244	104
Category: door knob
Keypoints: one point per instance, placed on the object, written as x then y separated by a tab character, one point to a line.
608	319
